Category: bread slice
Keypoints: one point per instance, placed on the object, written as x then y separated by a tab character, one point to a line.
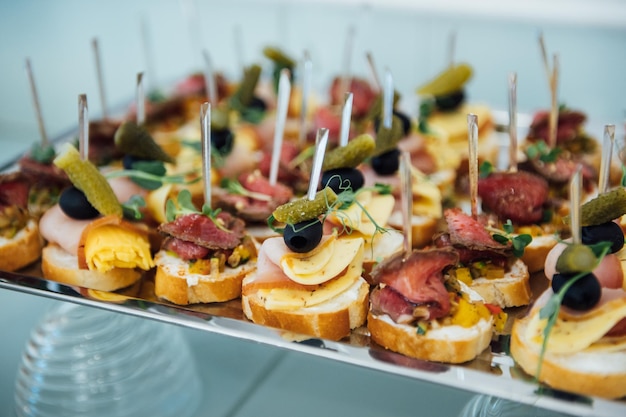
22	250
61	266
536	252
449	344
173	281
511	291
422	228
332	319
596	372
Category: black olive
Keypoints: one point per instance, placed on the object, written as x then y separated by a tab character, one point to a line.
75	205
406	122
222	140
304	236
342	179
258	104
582	295
607	232
128	161
450	101
386	163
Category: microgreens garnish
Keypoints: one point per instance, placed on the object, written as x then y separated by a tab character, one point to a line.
427	107
519	242
151	175
42	153
542	151
485	169
218	157
184	205
132	207
234	187
550	311
306	153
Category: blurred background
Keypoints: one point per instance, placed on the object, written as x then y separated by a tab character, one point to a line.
164	38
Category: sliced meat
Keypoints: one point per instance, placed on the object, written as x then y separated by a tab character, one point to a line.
569	124
203	231
388	301
469	233
562	169
43	175
14	189
363	95
518	196
184	249
419	277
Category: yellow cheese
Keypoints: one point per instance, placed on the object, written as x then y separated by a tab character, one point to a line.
326	264
574	336
310	262
288	299
109	247
426	196
371	210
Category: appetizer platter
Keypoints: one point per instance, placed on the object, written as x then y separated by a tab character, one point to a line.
341	230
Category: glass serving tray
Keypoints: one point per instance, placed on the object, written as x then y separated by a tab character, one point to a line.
492	373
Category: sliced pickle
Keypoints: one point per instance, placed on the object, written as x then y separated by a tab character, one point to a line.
351	155
604	208
451	79
303	209
279	57
387	139
86	177
576	258
134	140
245	92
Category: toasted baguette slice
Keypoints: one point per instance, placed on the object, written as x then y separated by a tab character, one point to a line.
511	291
61	266
598	372
22	250
422	228
449	344
332	319
174	282
536	252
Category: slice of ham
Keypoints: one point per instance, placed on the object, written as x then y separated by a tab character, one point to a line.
55	227
268	273
419	277
14	190
610	296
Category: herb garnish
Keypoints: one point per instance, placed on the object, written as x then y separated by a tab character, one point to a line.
519	242
41	153
184	205
234	187
542	151
151	175
485	169
132	207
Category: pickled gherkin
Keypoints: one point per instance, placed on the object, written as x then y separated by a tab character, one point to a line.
351	155
450	80
387	139
576	258
604	208
303	209
134	140
245	92
86	177
279	57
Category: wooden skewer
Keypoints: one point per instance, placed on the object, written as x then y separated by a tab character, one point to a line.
83	127
346	116
472	128
33	90
307	69
375	78
608	142
406	186
99	72
205	131
575	192
141	100
513	122
284	91
321	142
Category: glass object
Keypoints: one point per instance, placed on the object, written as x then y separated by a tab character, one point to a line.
83	361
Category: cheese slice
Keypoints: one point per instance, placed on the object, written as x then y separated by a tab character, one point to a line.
289	299
110	246
571	336
325	264
371	210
